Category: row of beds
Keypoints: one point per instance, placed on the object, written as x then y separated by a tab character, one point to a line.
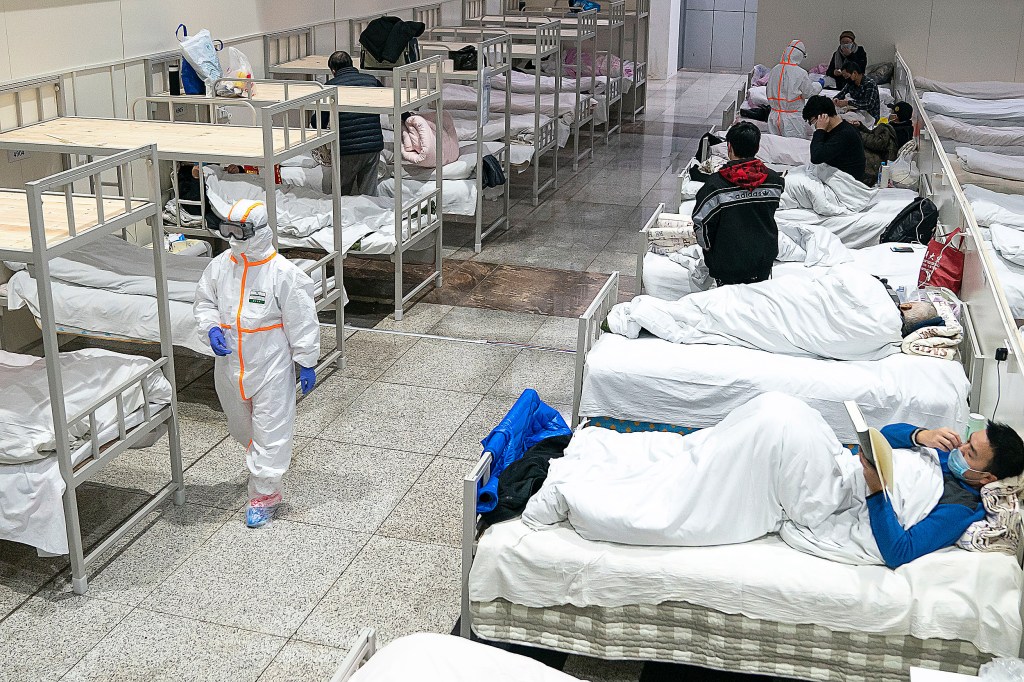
64	240
760	607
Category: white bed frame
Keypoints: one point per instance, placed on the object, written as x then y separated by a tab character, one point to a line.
359	653
140	206
494	57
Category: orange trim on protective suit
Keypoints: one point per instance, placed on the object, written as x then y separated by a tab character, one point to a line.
785	62
238	317
233	208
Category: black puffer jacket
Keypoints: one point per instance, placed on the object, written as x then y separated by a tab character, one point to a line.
358	133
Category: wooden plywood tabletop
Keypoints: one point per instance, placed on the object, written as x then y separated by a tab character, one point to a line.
15	230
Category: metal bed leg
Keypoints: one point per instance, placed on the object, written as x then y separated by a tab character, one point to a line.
177	469
398	283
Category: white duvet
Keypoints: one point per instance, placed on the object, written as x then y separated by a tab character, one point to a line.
856	230
1006	110
648	379
991	207
771	466
300	210
992	164
776	150
826	191
842	314
464	97
969	133
975	90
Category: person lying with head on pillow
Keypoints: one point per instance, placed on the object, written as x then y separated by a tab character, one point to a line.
775	466
842	314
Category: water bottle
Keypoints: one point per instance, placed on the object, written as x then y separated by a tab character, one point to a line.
975	422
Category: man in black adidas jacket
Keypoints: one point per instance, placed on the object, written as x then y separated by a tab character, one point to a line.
734	217
359	135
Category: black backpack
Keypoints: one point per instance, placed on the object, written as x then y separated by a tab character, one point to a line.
914	224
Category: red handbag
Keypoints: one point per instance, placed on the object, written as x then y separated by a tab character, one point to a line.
943	264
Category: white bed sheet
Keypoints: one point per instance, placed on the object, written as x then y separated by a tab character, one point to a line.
975	89
856	230
648	379
1004	110
950	594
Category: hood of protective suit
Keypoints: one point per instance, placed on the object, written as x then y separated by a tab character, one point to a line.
259	247
794	53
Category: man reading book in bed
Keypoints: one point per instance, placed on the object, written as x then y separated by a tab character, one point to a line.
774	466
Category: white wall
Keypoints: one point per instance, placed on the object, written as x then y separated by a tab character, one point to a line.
663	57
946	39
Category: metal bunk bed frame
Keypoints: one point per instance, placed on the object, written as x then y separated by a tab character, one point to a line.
136	210
494	57
611	18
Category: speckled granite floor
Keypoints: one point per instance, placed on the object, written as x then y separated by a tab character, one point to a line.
370	532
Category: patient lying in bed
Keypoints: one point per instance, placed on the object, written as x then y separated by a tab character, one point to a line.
774	466
843	314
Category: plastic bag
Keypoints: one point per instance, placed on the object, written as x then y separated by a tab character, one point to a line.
201	55
191	84
1002	670
238	67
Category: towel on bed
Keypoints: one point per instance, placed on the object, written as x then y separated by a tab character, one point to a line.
419	140
825	190
842	314
1000	530
937	341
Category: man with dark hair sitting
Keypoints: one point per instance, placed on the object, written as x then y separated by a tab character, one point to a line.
359	135
734	215
860	93
835	142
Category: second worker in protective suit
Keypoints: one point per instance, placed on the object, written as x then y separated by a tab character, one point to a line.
788	86
256	311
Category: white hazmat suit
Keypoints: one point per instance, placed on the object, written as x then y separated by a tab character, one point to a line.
264	305
788	86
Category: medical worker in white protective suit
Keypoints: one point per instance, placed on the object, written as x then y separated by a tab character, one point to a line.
256	311
788	86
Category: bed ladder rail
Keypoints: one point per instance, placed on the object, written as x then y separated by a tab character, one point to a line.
589	332
478	476
286	46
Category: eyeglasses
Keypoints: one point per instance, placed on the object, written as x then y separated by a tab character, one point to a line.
236	230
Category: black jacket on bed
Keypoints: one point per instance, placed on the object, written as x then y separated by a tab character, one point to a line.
734	221
385	38
357	133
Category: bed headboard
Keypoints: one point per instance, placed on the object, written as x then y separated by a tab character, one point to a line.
642	242
29	102
473	9
356	26
285	46
359	653
430	15
589	332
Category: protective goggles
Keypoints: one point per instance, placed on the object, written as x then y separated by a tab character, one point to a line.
239	231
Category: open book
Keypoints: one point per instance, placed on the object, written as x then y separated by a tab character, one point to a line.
873	444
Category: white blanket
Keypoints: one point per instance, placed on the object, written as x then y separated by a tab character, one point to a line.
771	466
429	657
991	207
975	90
648	379
856	230
1008	242
525	83
1007	110
26	420
843	314
300	210
968	133
825	190
988	163
464	97
776	150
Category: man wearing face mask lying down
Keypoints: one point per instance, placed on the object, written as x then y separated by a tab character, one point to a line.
842	314
774	466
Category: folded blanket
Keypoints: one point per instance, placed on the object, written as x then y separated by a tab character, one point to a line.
419	140
936	341
173	213
672	234
991	164
1000	530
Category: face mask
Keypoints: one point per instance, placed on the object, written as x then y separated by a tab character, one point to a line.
847	49
958	465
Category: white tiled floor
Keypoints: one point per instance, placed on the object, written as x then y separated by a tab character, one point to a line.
370	533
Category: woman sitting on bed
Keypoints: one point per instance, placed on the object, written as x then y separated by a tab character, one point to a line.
774	466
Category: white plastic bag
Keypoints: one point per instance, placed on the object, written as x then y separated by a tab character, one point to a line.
238	66
200	53
1002	670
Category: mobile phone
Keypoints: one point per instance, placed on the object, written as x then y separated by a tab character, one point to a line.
902	249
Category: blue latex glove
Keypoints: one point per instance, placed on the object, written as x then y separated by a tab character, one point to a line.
218	343
307	378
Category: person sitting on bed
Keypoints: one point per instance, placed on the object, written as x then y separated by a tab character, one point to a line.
848	49
901	118
835	142
359	135
860	94
734	214
774	465
880	146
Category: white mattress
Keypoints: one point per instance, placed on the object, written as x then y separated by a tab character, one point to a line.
648	379
950	594
997	165
976	89
1003	110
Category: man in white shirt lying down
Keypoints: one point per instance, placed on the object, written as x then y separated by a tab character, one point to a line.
775	466
843	314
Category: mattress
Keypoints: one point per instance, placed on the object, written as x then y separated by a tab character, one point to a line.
976	89
1002	185
996	165
680	633
1007	111
951	594
649	379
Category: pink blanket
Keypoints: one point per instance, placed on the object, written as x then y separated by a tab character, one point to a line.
419	140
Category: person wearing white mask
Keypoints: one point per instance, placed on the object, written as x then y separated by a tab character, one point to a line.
788	86
848	49
256	311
